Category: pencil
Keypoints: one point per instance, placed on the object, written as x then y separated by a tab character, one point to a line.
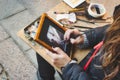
76	9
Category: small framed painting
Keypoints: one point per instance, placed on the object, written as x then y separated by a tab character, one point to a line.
51	34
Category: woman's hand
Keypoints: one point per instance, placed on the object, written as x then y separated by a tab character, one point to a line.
78	40
59	58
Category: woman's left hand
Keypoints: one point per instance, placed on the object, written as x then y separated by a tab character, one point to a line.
59	58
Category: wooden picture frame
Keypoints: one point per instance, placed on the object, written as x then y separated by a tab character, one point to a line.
50	34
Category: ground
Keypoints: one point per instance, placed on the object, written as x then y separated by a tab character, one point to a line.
16	57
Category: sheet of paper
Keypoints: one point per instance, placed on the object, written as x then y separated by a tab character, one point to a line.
74	3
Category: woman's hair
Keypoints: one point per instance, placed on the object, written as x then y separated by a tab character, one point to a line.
116	12
111	58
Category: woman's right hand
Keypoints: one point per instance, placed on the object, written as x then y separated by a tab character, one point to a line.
78	40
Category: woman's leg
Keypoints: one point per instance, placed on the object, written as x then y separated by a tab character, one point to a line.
45	70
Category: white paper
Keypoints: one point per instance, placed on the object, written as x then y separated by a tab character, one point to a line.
71	17
74	3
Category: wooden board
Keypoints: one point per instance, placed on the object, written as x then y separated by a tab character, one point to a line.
79	54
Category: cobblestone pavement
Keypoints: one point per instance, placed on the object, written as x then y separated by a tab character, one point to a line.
17	59
15	65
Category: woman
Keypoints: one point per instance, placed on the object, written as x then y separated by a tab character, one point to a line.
105	64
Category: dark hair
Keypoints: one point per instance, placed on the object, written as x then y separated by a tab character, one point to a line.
111	58
116	12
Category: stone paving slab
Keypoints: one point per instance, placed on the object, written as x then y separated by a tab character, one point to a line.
13	24
14	62
3	34
9	7
37	7
31	54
